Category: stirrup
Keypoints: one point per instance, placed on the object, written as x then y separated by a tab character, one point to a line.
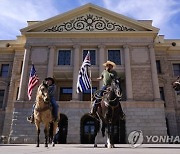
30	119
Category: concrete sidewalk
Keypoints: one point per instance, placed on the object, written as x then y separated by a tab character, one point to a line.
89	149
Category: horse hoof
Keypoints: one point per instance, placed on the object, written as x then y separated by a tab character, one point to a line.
105	145
46	145
53	144
110	146
95	145
37	145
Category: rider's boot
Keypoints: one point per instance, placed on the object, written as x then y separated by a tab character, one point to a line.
31	118
93	109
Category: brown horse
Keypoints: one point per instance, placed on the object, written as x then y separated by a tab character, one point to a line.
43	113
110	111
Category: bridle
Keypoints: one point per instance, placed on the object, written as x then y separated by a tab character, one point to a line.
47	103
107	93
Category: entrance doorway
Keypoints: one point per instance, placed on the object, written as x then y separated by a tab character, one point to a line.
89	128
61	136
120	132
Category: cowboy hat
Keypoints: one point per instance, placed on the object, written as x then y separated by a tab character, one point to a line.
49	78
109	63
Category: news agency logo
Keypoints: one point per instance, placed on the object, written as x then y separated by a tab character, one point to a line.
136	138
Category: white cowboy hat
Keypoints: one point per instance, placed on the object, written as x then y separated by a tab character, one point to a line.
109	63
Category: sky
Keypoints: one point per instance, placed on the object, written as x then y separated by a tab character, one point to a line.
14	14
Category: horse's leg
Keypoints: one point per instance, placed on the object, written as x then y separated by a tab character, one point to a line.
96	140
108	136
38	131
46	133
112	136
55	126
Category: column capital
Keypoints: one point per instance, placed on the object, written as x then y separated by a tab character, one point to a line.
52	47
27	46
76	46
151	46
101	46
125	46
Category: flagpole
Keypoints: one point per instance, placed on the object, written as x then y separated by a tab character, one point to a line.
91	83
90	78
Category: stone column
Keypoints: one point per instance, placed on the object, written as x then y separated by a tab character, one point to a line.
154	73
51	61
76	60
24	74
129	92
101	61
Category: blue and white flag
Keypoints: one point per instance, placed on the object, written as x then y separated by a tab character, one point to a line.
84	82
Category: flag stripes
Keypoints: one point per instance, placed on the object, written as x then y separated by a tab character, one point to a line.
83	82
33	81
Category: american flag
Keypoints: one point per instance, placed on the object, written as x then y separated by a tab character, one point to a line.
83	82
33	81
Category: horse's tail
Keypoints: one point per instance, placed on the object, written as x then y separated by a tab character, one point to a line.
103	129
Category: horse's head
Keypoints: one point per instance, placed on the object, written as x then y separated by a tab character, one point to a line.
116	86
176	84
43	92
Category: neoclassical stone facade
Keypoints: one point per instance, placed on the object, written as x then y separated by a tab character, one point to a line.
146	62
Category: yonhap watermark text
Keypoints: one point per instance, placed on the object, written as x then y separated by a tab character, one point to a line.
137	138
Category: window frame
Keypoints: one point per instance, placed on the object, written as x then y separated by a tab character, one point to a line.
3	102
161	89
87	50
1	70
178	63
61	88
160	69
63	49
120	49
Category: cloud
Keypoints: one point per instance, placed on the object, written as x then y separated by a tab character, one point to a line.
160	11
14	14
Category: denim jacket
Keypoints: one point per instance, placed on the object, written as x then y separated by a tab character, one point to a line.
52	90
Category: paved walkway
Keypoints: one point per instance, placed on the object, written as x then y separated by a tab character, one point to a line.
89	149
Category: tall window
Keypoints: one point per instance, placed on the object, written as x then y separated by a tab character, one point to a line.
92	56
17	93
4	70
115	56
158	66
65	94
87	94
161	90
21	67
64	57
176	69
1	97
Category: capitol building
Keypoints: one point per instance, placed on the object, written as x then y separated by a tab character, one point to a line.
146	62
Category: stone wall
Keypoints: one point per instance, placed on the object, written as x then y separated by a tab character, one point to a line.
24	132
146	116
149	117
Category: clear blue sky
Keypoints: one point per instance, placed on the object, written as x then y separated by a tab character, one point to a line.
14	14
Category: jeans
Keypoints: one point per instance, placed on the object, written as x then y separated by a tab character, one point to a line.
55	107
101	94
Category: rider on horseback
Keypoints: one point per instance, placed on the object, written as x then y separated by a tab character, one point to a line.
107	76
51	90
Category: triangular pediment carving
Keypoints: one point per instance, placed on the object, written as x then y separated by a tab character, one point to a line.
89	22
89	18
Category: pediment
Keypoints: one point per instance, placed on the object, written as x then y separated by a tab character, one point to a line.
89	18
89	22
